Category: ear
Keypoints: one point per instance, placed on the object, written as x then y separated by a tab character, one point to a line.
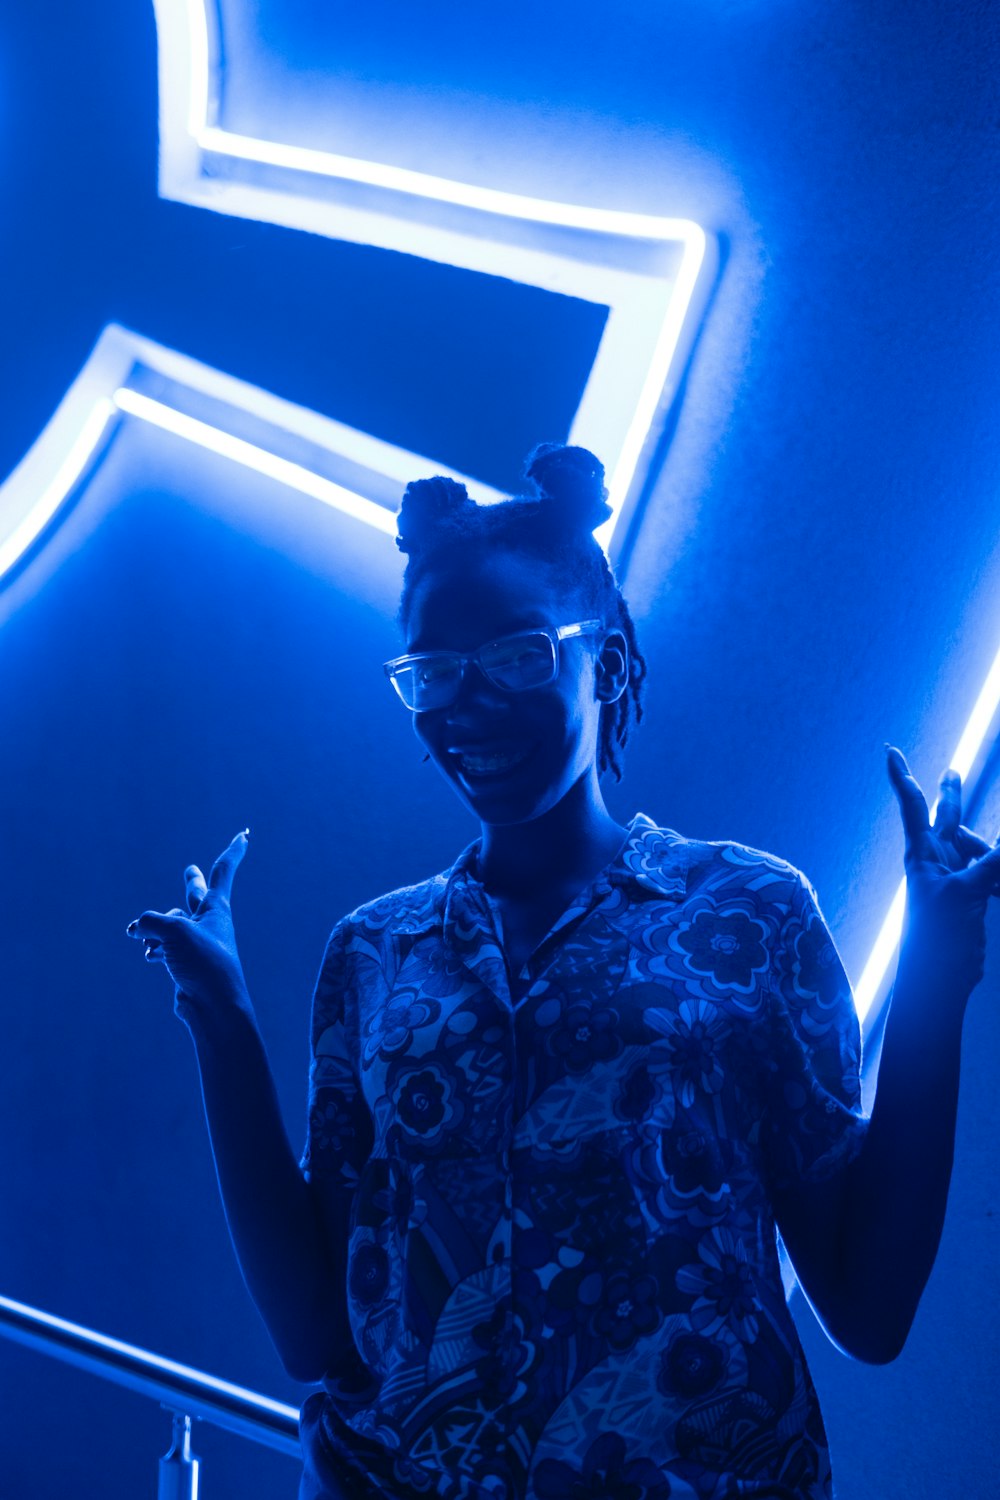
612	667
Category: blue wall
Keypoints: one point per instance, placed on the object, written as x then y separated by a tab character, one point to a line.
817	571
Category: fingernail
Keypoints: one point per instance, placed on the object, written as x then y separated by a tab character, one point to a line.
246	833
131	927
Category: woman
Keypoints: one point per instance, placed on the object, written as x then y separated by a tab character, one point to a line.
563	1093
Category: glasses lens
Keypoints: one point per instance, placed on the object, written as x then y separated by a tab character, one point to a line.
523	661
430	682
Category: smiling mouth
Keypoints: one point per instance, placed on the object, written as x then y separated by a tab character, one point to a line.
496	763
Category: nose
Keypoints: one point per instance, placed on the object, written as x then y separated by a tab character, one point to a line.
475	694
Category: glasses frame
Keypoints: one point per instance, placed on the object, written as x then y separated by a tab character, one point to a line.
554	633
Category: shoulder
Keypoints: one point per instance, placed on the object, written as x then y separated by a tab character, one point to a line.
361	943
730	868
408	908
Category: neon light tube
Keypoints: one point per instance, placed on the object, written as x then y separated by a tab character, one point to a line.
445	190
258	459
60	486
964	758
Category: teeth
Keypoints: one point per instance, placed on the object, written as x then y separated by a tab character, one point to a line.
485	763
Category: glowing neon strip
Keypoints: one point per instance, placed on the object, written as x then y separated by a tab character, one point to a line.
62	483
200	64
403	179
445	190
649	400
648	311
511	205
258	459
367	488
966	754
517	206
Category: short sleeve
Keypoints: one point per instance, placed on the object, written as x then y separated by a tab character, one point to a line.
339	1135
813	1117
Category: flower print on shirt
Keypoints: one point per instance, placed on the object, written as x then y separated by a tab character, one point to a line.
390	1029
562	1271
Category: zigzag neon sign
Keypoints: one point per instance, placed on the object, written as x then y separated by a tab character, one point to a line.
648	271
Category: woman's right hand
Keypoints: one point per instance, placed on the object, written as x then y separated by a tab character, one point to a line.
198	947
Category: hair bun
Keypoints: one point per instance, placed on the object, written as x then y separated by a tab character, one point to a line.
569	480
426	504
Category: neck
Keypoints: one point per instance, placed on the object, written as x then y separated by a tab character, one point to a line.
565	846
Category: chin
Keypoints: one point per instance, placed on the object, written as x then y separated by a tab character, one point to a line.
503	811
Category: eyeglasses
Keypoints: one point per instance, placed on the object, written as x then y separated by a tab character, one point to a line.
513	663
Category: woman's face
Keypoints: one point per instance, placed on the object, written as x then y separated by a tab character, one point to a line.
552	730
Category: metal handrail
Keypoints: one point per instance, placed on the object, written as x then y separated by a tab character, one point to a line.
186	1392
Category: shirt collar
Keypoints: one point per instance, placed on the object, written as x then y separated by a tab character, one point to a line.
652	859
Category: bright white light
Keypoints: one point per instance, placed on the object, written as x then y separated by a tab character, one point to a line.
882	955
966	755
663	355
648	310
613	258
197	20
983	713
362	475
622	446
257	459
444	190
59	487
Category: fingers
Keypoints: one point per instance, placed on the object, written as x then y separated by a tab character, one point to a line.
221	875
983	875
195	888
969	844
912	805
155	953
155	926
949	808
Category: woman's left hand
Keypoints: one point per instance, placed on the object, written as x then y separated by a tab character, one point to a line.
950	875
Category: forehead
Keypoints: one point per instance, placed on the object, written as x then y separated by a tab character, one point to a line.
460	606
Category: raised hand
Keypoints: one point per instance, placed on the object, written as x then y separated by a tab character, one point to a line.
198	946
950	875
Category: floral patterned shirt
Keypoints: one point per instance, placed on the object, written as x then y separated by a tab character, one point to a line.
559	1244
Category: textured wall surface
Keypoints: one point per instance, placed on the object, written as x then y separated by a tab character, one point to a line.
817	571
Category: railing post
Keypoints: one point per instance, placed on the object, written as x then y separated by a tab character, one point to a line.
179	1467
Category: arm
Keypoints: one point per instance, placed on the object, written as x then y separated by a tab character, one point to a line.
294	1275
864	1242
